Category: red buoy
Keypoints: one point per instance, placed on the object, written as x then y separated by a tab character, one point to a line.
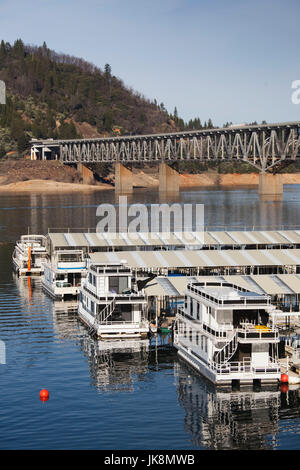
284	378
44	395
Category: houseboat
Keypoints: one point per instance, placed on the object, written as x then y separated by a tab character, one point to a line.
111	304
29	255
64	273
223	331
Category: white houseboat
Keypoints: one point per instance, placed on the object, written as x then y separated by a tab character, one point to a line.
111	305
223	332
64	274
29	255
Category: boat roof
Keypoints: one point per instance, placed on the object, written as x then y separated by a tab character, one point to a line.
169	239
200	258
270	284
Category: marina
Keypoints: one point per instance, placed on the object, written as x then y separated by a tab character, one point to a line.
115	299
118	366
92	241
45	248
150	229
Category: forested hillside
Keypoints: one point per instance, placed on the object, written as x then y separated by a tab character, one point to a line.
59	96
52	95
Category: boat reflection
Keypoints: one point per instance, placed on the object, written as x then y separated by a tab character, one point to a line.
220	418
29	288
113	365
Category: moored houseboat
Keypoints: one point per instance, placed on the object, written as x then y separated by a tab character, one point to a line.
64	274
111	304
223	331
29	255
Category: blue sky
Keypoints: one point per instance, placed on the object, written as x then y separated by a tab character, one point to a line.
228	60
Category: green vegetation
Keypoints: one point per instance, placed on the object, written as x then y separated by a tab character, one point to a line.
52	95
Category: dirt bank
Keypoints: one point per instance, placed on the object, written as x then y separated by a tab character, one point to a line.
42	186
24	175
53	176
208	179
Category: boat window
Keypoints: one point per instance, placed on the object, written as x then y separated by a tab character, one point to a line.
117	284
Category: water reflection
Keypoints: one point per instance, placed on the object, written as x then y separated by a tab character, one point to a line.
222	207
214	417
225	419
115	365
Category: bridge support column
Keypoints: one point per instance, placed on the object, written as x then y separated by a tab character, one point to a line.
168	179
123	179
86	174
270	185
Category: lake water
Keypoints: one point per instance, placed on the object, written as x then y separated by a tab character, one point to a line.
138	398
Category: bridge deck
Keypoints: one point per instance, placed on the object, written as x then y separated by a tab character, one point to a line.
261	145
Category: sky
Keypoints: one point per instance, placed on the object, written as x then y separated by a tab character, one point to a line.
227	60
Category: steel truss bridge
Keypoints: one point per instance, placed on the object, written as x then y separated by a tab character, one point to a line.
263	146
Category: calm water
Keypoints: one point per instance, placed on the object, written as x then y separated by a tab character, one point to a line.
141	398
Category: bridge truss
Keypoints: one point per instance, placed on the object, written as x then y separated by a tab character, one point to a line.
263	146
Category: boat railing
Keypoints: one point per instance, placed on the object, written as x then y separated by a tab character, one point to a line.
131	297
259	332
246	366
222	332
224	300
110	269
125	323
60	284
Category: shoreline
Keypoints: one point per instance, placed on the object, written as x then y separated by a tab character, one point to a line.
143	180
50	186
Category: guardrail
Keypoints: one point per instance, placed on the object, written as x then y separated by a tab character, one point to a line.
259	334
217	333
225	299
246	367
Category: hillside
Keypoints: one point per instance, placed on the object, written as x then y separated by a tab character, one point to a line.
55	95
52	95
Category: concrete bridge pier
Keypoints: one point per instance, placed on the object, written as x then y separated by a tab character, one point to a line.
123	179
86	174
168	180
270	186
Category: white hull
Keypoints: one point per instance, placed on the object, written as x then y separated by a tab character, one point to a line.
27	272
117	330
59	292
226	378
29	255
